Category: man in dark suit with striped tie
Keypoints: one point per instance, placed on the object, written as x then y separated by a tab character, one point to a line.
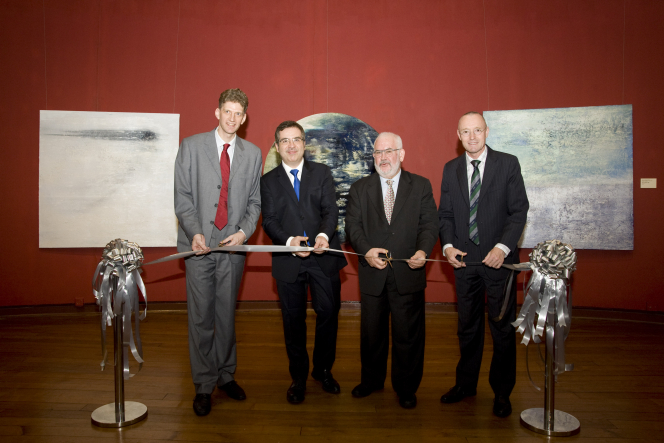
299	204
482	214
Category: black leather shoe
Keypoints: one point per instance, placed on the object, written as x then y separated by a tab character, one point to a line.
502	406
234	390
362	390
329	383
202	404
456	394
408	401
295	394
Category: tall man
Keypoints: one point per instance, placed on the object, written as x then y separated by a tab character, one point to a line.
393	211
299	202
217	199
482	212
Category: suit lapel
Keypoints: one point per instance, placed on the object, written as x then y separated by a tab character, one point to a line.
376	196
305	181
238	157
490	168
403	192
286	184
462	176
211	151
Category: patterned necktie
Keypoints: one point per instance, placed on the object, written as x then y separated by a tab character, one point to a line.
475	185
296	186
389	201
221	219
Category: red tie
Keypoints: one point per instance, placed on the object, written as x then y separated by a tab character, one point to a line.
221	219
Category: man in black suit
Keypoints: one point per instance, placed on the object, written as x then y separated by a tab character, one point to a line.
393	211
299	201
483	212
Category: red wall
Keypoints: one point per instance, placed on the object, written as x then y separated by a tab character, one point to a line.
410	67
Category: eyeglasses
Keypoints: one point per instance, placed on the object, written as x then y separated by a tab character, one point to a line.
476	131
386	152
285	141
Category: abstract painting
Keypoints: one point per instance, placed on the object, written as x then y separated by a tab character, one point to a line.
106	175
577	166
343	143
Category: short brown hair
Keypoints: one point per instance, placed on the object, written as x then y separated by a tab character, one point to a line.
236	96
285	125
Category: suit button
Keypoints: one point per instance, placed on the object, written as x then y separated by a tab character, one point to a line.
212	222
216	204
218	186
301	217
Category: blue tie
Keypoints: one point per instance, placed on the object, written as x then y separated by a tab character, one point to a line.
296	186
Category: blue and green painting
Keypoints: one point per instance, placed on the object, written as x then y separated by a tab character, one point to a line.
343	143
577	166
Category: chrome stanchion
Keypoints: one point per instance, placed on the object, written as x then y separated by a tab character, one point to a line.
547	420
119	413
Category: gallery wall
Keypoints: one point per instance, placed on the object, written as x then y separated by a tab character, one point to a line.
405	66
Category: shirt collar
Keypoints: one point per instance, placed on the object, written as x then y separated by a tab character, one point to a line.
394	179
288	168
481	158
220	142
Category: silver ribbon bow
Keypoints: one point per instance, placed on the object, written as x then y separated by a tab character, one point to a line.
115	285
552	263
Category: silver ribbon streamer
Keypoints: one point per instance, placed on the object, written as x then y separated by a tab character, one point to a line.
115	285
291	249
552	263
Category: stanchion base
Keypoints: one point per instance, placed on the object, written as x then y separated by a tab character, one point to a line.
104	416
564	424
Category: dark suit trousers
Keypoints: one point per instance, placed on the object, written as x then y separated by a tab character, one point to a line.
326	301
407	337
471	286
213	282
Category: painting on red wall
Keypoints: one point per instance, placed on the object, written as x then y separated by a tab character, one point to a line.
106	175
577	166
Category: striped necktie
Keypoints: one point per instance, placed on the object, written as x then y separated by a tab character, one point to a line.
475	185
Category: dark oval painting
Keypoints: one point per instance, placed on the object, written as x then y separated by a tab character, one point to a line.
343	143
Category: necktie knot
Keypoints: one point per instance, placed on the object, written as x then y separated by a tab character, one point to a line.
476	163
389	182
226	146
294	172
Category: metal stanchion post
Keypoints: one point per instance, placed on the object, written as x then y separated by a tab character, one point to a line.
119	413
547	420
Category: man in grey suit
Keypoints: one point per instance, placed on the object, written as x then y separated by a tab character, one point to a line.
217	200
482	213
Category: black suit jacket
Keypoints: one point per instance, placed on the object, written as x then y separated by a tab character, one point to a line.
413	228
316	211
502	211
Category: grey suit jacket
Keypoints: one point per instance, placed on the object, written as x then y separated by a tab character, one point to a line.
198	184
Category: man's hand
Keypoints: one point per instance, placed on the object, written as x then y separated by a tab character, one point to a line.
417	260
494	258
198	244
234	240
372	258
321	243
451	253
296	242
